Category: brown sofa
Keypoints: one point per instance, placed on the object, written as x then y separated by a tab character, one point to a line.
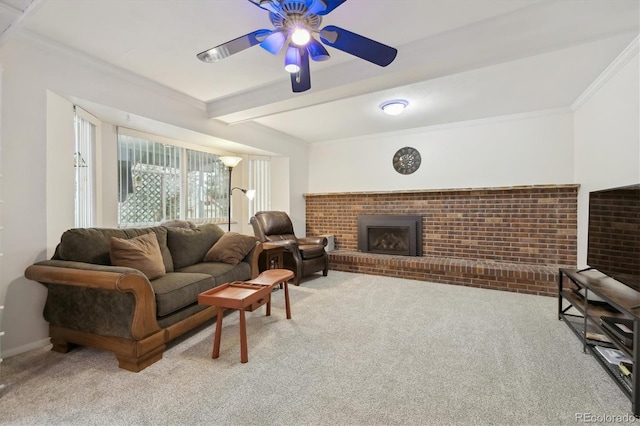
93	303
303	256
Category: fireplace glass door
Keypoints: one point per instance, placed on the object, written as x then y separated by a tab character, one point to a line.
388	239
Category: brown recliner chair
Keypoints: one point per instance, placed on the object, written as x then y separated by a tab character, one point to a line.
303	256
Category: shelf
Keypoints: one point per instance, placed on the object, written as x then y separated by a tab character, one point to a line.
618	295
583	316
576	324
614	372
594	313
595	310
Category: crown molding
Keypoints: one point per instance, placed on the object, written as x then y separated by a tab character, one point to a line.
17	17
614	67
8	9
112	70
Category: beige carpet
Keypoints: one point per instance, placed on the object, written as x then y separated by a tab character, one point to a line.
360	350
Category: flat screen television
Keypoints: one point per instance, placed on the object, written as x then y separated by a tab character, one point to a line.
614	234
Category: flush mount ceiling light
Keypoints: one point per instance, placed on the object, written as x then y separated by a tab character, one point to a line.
394	107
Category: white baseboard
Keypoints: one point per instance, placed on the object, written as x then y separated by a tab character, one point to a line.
6	353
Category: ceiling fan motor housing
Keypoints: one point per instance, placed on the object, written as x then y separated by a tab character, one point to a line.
295	13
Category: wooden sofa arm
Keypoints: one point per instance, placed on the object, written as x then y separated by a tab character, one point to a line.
252	258
116	279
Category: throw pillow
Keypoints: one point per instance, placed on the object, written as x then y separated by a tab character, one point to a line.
141	253
231	248
188	246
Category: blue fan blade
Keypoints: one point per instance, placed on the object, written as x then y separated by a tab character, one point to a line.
234	46
269	6
316	6
274	42
301	80
357	45
317	50
323	7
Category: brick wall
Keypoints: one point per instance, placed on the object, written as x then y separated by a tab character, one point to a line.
528	225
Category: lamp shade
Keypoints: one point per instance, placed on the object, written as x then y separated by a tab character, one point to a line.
274	42
317	50
292	60
249	193
230	161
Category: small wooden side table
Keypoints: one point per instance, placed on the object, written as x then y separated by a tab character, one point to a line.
245	297
271	256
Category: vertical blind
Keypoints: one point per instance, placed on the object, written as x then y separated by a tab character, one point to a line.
84	161
149	181
160	181
260	180
208	187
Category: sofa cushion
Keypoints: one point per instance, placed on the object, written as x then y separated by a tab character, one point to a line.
142	253
92	245
311	251
222	272
231	248
178	223
175	290
188	246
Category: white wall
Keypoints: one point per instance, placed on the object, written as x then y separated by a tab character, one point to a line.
607	135
31	70
109	156
60	209
517	150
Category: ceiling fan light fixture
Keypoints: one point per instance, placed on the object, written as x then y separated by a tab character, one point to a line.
300	36
302	17
317	51
394	107
274	42
292	60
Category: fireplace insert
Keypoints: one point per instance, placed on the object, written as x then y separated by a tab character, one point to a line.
390	234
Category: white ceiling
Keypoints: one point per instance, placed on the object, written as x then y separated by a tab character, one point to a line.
457	60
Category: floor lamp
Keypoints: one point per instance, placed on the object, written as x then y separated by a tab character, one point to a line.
231	162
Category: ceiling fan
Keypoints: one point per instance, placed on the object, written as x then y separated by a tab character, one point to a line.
294	23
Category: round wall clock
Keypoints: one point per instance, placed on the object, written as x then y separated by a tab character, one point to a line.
406	160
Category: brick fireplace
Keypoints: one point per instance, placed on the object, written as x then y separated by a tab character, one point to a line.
511	238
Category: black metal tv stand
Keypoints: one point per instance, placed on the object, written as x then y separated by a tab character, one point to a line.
583	318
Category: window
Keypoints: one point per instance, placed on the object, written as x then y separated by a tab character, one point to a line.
160	180
208	181
260	180
86	145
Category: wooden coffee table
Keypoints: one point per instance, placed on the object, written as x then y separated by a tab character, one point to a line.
245	297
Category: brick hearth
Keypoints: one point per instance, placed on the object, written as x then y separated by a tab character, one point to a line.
511	239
